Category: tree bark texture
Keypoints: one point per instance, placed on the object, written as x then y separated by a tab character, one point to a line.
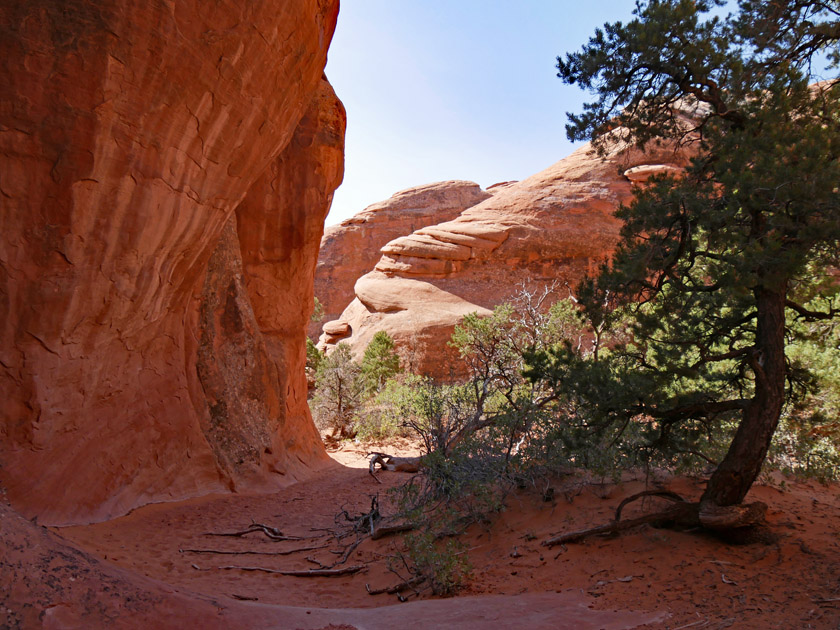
740	467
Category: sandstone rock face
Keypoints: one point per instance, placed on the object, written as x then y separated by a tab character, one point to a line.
130	134
351	249
557	225
280	223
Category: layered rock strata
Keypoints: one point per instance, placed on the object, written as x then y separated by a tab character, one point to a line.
351	249
554	227
131	135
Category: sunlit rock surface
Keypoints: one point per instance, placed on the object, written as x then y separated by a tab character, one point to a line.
554	227
130	134
351	249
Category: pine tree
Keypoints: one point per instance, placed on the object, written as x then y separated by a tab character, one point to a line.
716	263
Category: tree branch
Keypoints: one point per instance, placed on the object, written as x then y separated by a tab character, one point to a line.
811	316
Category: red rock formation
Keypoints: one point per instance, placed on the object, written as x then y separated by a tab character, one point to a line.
262	411
129	134
351	249
555	225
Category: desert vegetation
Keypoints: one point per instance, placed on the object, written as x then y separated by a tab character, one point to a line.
707	345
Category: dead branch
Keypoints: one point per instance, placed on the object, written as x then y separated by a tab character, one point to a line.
295	572
350	549
393	464
252	553
271	532
397	588
363	523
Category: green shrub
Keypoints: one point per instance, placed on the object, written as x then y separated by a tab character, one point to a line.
313	357
442	563
387	413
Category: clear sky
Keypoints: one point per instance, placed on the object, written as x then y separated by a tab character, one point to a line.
454	89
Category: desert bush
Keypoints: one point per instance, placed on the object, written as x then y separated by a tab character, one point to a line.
365	400
339	392
387	413
442	564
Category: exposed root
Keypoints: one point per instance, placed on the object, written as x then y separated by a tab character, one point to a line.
271	532
294	573
729	517
252	553
663	494
671	514
723	520
350	549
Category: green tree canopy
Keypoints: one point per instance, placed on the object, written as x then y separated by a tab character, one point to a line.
380	362
718	262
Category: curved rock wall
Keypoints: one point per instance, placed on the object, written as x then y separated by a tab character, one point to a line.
129	134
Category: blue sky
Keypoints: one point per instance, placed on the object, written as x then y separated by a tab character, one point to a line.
464	89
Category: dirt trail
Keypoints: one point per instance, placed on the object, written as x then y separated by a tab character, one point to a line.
669	579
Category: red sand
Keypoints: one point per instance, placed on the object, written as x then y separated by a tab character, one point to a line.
679	579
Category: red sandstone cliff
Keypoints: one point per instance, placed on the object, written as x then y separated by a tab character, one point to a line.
351	249
142	148
555	225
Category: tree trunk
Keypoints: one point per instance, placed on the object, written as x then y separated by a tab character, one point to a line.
735	475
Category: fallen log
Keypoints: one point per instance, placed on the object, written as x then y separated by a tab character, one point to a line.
391	463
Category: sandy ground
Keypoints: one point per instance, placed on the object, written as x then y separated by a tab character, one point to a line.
648	578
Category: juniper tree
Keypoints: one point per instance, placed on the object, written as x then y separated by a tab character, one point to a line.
380	362
718	261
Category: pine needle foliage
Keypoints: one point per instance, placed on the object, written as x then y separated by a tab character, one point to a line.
719	265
